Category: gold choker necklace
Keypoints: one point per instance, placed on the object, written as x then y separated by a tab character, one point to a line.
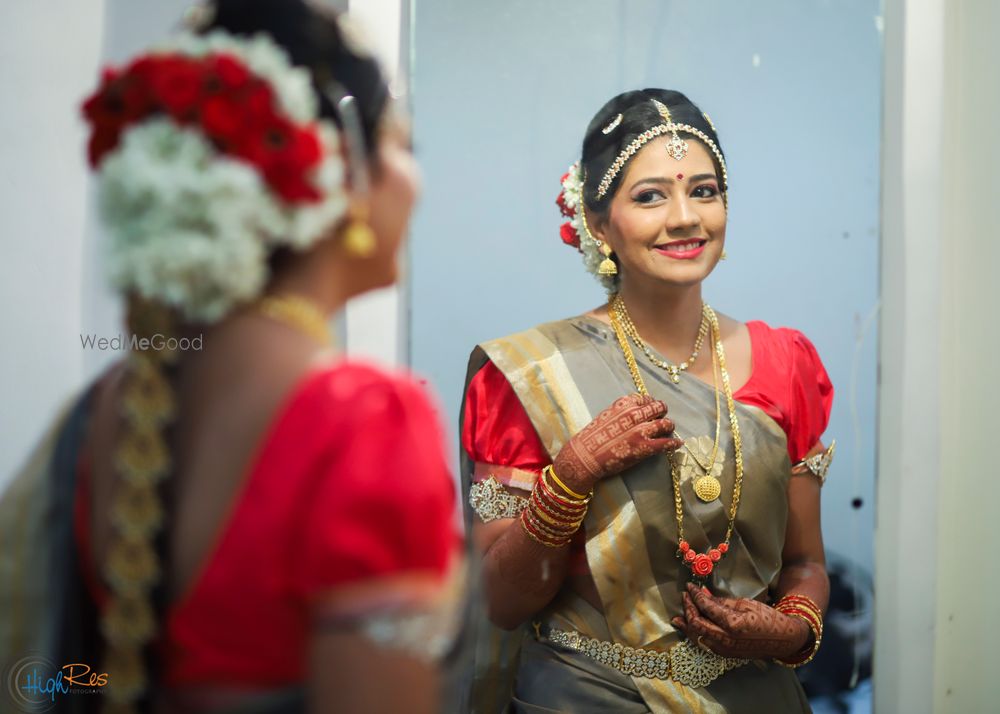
298	313
618	304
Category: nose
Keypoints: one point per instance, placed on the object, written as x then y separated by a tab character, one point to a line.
681	215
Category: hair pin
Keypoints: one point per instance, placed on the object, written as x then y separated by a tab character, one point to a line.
613	125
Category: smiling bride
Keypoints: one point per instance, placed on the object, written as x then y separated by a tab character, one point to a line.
663	553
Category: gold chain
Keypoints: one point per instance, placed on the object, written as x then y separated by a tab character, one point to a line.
299	314
618	303
640	385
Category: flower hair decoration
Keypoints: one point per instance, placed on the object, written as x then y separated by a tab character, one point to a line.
575	232
210	153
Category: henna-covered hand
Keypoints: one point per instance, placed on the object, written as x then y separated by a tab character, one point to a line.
630	430
739	627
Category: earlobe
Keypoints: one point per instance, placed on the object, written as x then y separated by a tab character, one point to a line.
596	225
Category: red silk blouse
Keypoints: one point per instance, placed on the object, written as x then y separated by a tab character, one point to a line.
788	382
349	486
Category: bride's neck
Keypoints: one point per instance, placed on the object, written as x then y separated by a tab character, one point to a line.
667	317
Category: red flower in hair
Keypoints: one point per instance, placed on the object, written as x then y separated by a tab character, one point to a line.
103	140
218	95
561	199
177	84
289	154
569	235
230	72
222	120
563	208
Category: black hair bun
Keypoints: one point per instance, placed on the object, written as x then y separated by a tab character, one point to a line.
313	39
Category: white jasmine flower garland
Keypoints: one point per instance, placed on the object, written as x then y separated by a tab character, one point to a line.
192	227
573	198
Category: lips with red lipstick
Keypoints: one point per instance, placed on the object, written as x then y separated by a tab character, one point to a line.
686	249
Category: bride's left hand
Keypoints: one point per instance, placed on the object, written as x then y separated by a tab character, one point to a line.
739	627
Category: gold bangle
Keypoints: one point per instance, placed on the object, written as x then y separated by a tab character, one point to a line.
528	524
817	640
556	531
570	492
538	511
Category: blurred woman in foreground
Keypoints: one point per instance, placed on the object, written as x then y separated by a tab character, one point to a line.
253	522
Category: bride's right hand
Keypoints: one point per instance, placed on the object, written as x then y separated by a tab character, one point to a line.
629	431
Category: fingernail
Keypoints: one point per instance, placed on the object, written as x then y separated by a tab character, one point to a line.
706	591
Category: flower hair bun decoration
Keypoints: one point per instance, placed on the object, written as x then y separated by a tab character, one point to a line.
575	231
210	153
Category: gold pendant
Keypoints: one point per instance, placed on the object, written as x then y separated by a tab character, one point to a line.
707	488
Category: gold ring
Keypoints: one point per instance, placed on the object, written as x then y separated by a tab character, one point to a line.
700	643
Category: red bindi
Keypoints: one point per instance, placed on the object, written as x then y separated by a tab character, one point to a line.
680	176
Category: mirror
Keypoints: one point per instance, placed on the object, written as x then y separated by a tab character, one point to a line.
502	94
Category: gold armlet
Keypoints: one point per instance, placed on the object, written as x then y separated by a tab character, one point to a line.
491	501
819	464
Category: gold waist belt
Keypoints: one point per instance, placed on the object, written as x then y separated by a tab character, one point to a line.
685	662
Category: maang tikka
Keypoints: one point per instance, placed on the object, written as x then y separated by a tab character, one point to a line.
676	147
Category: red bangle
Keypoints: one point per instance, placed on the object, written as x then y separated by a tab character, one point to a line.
554	510
531	528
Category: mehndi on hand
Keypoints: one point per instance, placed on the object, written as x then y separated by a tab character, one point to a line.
632	429
739	627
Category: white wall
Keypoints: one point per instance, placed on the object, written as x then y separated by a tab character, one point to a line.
937	623
377	323
49	57
967	617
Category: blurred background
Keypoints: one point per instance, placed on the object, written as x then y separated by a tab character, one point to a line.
863	211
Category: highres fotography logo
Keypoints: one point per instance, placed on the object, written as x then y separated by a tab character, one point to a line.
35	683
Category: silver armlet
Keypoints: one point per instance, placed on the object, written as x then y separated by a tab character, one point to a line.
819	464
491	501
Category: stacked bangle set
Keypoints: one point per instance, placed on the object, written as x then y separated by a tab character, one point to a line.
555	512
803	608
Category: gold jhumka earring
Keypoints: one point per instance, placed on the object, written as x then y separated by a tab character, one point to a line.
359	238
607	267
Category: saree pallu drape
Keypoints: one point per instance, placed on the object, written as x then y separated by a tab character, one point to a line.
565	373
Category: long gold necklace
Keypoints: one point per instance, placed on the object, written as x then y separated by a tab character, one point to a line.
700	564
707	488
618	303
299	314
